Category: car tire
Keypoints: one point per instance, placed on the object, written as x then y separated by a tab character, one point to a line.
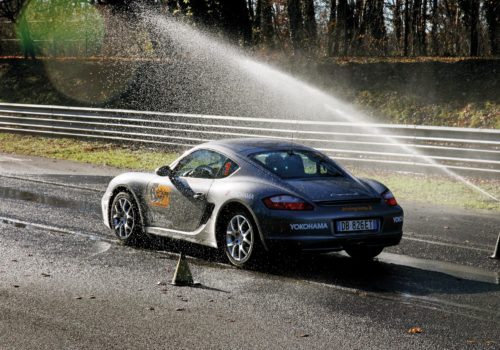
239	239
364	253
125	220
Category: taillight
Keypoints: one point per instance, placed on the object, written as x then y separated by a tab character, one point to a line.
389	198
285	202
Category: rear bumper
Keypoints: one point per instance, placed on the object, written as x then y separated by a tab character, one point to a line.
334	243
316	230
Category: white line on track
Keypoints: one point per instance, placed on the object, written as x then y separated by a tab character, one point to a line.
21	223
61	184
451	245
13	159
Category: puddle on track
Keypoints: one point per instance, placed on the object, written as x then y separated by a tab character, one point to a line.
11	193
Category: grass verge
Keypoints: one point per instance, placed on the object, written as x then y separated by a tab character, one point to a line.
428	189
93	152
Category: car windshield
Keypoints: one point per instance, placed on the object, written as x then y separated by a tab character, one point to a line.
297	164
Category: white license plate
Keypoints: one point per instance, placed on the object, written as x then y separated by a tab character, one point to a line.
357	225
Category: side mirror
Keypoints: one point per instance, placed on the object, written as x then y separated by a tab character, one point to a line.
163	171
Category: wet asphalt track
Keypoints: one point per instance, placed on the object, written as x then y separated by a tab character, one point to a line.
66	283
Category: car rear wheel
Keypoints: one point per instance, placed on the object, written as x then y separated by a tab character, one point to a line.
364	253
125	219
241	241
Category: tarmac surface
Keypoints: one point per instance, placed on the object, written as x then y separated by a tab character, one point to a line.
66	282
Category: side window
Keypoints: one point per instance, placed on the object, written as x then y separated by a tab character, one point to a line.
310	167
227	169
201	164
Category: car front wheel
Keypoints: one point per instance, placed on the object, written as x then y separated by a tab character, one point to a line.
125	219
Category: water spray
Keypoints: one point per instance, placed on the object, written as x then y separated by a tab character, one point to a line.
347	113
296	97
426	158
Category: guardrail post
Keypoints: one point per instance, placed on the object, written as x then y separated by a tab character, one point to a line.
496	253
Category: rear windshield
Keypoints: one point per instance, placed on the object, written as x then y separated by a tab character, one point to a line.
295	164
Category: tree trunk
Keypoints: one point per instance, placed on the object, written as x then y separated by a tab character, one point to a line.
266	23
258	18
457	36
251	13
310	25
236	20
340	30
349	26
423	29
296	27
407	28
470	10
397	23
474	28
360	24
378	25
331	27
417	4
199	9
435	44
492	9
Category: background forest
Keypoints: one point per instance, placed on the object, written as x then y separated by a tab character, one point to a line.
306	27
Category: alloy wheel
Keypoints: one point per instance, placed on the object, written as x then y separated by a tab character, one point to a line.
239	238
123	218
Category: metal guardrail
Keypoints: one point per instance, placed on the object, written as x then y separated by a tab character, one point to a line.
404	146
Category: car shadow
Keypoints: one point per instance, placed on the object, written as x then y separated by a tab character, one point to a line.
339	270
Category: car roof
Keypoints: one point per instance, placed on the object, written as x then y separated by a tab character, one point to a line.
245	146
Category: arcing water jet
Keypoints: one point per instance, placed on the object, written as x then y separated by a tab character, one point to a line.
269	88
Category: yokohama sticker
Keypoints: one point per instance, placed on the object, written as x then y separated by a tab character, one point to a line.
397	219
311	226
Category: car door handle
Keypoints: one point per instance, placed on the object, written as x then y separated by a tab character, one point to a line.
199	196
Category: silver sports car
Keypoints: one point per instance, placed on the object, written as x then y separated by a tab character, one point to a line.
249	197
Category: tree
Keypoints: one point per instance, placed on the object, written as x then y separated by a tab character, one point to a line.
12	10
434	30
492	12
397	22
341	27
235	20
332	24
310	30
470	9
266	22
378	23
296	24
406	49
423	29
474	28
416	22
